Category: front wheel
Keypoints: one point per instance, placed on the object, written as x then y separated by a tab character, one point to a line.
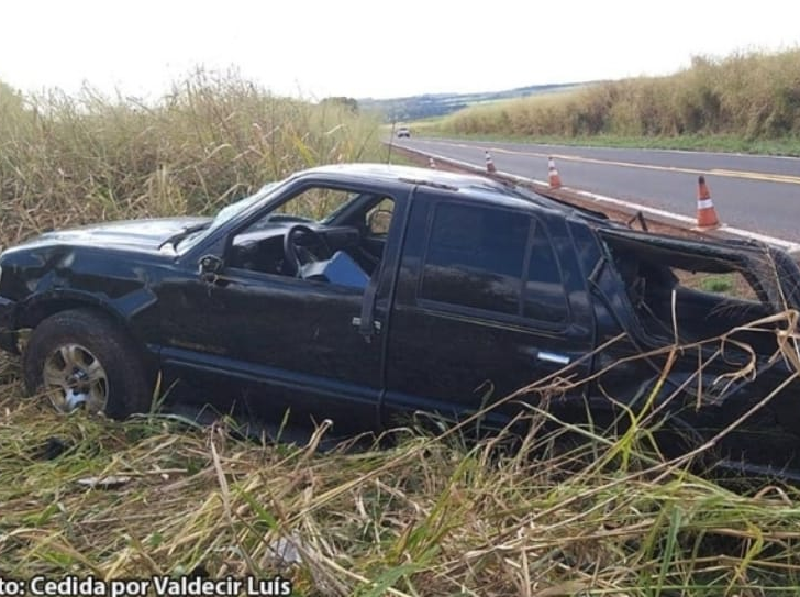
81	359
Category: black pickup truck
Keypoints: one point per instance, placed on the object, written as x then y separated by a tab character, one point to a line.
363	293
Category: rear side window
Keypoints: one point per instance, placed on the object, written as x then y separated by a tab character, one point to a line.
545	298
476	257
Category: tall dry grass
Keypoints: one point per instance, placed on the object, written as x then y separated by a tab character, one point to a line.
214	138
429	516
749	94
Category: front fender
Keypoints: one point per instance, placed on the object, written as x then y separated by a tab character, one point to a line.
131	312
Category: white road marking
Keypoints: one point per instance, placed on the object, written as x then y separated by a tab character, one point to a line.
720	172
642	149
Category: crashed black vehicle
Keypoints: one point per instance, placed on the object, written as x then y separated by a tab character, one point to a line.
364	293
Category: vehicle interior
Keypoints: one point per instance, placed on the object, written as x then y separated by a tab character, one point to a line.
322	234
713	295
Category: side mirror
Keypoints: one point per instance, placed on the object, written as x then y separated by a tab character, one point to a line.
210	265
378	221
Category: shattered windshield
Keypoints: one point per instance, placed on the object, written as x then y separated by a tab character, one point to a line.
232	210
192	237
315	204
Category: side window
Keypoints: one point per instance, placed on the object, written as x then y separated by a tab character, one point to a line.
313	204
315	253
475	257
544	298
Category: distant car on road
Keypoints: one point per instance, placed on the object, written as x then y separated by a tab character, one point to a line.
404	132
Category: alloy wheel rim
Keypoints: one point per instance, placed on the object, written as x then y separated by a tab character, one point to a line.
74	378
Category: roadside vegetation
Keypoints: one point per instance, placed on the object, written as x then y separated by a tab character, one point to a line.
214	139
748	102
426	516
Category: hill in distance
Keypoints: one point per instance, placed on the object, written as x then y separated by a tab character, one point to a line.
428	105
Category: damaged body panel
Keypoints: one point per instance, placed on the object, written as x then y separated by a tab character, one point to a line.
730	357
363	294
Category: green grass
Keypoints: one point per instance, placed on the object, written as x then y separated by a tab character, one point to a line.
429	516
415	124
718	284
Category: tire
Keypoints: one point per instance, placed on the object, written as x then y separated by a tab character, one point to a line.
121	382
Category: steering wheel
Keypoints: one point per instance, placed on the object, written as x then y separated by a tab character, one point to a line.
290	248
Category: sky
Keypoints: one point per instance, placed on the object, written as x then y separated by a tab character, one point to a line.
358	48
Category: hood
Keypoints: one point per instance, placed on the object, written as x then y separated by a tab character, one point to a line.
141	235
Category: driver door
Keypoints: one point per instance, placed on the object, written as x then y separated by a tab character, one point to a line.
292	346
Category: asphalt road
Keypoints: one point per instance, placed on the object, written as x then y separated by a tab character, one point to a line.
755	193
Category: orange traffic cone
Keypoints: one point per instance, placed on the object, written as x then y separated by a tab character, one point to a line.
490	167
706	214
431	163
553	179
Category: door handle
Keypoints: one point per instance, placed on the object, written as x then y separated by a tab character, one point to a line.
544	356
376	325
552	357
217	280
